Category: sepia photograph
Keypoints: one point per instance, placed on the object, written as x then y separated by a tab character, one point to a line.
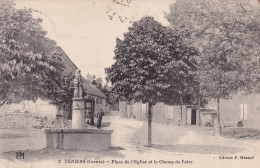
130	83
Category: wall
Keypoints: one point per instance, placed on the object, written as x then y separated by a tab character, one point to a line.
129	110
100	106
175	114
188	116
230	110
161	113
136	111
140	111
40	107
122	109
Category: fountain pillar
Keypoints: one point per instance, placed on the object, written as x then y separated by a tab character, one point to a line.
78	103
78	137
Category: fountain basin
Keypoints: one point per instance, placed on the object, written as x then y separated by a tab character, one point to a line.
80	139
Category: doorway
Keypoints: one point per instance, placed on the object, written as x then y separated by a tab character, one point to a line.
90	110
193	117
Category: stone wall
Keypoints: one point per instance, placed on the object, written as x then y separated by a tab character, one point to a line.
40	107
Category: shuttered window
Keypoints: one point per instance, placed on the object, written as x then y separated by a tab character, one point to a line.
243	111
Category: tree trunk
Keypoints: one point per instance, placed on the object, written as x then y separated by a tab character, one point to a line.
180	122
217	124
199	111
181	116
149	125
2	103
185	119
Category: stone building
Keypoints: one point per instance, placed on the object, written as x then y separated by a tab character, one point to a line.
245	108
238	108
161	112
95	98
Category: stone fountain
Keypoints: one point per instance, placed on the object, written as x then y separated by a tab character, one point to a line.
78	137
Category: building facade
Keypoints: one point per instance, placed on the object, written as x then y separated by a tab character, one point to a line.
161	113
238	108
245	108
98	103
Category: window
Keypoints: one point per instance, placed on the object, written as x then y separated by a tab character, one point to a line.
101	101
169	112
243	111
97	100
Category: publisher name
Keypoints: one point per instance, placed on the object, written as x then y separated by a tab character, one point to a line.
236	157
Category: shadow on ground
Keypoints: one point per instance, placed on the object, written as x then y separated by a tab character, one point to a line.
105	124
241	133
13	136
199	149
56	154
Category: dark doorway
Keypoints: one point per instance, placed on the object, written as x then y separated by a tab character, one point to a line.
193	117
90	109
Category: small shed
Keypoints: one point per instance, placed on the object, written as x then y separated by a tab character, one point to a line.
207	117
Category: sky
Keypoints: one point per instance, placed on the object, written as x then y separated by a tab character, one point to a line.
87	29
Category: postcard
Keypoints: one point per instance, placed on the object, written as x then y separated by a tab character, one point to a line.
129	83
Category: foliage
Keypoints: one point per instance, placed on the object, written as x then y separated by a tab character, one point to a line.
152	65
227	35
30	64
111	98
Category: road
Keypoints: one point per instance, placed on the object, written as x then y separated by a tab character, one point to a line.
191	144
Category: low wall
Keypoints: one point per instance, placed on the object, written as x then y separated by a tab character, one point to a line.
40	107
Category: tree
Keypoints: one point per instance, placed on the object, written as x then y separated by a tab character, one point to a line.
227	35
111	98
152	65
30	64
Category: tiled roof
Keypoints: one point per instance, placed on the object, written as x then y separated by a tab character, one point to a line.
92	90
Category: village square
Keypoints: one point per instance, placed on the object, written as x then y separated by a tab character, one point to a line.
130	83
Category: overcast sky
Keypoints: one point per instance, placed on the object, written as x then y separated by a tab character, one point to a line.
87	29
